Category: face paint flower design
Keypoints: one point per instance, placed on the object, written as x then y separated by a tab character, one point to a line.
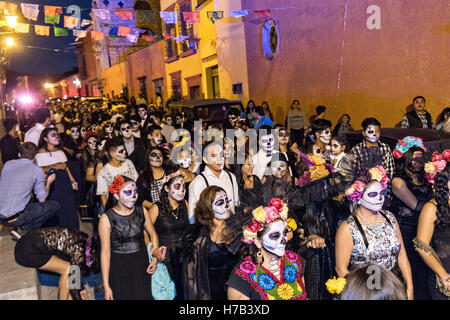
128	194
275	238
325	136
177	190
373	197
221	206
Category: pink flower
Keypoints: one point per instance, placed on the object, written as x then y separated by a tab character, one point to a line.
255	226
430	177
385	179
440	165
383	170
403	143
277	203
291	256
355	196
436	156
397	154
359	186
248	267
446	155
271	214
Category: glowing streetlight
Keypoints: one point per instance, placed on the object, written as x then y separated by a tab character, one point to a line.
48	85
12	21
77	82
9	42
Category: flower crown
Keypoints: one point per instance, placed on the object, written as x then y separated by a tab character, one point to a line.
89	134
437	164
356	191
116	185
407	143
276	209
318	169
173	175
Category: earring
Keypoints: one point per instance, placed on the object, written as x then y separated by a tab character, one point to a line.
259	257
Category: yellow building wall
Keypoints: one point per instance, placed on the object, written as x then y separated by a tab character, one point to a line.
115	78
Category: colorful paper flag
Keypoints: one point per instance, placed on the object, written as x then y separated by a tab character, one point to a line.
102	14
180	38
148	38
239	13
79	33
263	12
123	31
97	35
30	11
42	30
132	38
168	36
191	17
9	9
214	15
52	19
85	22
61	32
22	27
70	22
169	16
52	11
124	14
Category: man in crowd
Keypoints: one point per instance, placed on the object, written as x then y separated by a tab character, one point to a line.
134	146
42	119
154	135
18	179
118	165
418	117
213	175
266	148
9	144
261	120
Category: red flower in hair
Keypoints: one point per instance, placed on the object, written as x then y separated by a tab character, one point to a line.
397	154
116	185
436	156
277	203
403	143
446	155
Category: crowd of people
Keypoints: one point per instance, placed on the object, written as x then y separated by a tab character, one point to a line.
244	209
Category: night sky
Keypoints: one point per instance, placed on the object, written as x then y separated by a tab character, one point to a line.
44	61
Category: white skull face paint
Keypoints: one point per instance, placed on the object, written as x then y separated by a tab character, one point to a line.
184	161
75	133
232	118
371	134
83	131
336	147
283	137
221	206
157	137
92	143
169	121
101	146
121	153
275	238
128	194
142	113
279	168
156	158
177	190
125	130
325	136
318	152
134	125
373	197
109	128
178	120
267	143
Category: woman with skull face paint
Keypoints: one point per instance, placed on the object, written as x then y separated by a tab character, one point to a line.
184	162
50	156
107	130
125	264
267	271
214	252
370	234
170	218
410	193
321	132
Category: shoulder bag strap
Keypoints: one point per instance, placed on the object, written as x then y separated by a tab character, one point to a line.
204	178
361	230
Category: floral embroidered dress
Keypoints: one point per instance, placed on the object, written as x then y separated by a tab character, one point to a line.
258	283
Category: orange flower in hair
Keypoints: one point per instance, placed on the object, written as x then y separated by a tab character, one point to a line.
116	185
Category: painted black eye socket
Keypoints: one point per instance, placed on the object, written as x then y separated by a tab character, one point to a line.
285	232
370	132
372	194
318	150
274	235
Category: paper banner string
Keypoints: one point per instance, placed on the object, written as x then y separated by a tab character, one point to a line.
341	65
52	11
180	38
52	19
22	28
148	38
239	13
70	22
191	17
42	30
214	15
61	32
102	14
124	15
97	35
170	17
263	12
79	34
30	11
167	36
123	31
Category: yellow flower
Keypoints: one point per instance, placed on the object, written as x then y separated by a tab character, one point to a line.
248	234
350	190
376	174
284	212
292	224
259	214
318	172
335	286
67	132
429	167
285	291
316	160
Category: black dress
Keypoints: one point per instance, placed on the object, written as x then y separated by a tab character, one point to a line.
128	275
251	198
408	220
441	245
172	231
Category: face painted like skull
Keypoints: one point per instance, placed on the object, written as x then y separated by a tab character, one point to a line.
336	147
128	194
221	206
177	190
373	197
157	137
325	136
184	162
125	130
267	143
275	238
92	143
169	121
121	153
83	131
142	113
371	134
108	127
101	146
279	168
232	118
156	158
75	133
283	137
178	120
318	152
134	125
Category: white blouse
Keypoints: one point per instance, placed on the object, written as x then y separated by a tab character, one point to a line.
48	158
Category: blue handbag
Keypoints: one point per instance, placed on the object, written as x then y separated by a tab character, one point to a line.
163	287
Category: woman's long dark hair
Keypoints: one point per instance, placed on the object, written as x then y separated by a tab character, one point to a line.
112	202
403	167
44	134
165	203
146	175
441	194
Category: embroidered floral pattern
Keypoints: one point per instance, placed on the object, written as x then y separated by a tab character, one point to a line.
266	282
248	267
291	256
285	291
290	273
